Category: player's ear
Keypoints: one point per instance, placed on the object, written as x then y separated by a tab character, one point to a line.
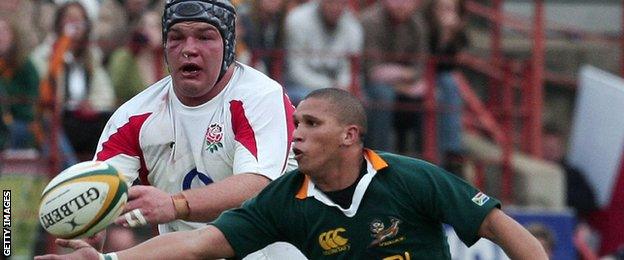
351	135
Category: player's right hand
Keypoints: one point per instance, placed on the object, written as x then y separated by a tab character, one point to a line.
82	251
146	205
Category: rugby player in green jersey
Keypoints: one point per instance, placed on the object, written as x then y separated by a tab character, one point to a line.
344	202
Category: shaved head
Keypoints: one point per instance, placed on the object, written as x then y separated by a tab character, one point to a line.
346	108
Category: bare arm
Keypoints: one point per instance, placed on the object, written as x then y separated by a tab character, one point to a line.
207	203
205	243
515	240
204	204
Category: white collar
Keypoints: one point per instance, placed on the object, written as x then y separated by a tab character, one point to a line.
373	164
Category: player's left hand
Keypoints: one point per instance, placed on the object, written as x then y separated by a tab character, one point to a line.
82	251
146	205
97	240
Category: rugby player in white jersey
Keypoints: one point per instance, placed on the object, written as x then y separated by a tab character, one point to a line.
204	139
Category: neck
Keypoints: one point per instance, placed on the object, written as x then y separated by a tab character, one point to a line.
341	175
219	86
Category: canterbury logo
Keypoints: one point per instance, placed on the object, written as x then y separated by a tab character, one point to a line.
332	239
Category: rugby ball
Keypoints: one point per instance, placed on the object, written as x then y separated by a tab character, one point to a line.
82	200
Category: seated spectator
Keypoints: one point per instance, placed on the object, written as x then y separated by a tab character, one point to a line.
19	85
447	21
580	195
395	46
263	34
140	63
73	78
320	37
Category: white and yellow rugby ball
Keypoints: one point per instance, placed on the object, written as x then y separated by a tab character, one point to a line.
82	200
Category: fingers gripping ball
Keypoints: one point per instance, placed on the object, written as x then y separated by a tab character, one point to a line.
82	200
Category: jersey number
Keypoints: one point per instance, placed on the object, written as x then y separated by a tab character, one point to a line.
189	177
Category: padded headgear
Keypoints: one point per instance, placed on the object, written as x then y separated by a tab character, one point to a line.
219	13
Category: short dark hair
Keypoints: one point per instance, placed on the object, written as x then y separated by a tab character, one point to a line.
348	108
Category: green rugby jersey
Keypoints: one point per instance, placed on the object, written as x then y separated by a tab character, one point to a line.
397	212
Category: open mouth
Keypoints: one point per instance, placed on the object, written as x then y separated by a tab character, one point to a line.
190	69
298	153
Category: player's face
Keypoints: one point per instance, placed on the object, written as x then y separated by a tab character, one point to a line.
150	26
401	10
317	136
332	10
195	52
74	22
271	6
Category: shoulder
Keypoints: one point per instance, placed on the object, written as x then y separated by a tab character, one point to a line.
349	17
404	167
251	84
284	187
396	160
43	49
39	56
97	56
302	13
372	15
27	68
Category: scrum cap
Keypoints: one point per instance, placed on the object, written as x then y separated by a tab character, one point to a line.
219	13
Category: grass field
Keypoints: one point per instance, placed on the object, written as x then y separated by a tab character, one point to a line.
25	194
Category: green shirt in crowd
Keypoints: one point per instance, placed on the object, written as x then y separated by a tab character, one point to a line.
397	212
126	76
19	93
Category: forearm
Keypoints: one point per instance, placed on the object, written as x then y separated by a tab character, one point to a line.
207	203
205	243
515	240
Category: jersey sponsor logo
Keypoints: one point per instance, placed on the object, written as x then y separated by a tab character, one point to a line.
480	198
190	176
332	242
214	135
385	236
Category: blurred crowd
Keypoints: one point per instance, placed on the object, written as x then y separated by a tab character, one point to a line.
73	62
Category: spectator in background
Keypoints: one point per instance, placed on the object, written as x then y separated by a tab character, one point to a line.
320	37
263	26
395	38
580	196
26	12
19	85
140	63
76	81
447	21
117	20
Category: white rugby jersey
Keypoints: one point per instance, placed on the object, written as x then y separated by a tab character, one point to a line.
247	128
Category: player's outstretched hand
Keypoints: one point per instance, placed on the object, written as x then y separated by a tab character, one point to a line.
82	251
97	241
146	205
